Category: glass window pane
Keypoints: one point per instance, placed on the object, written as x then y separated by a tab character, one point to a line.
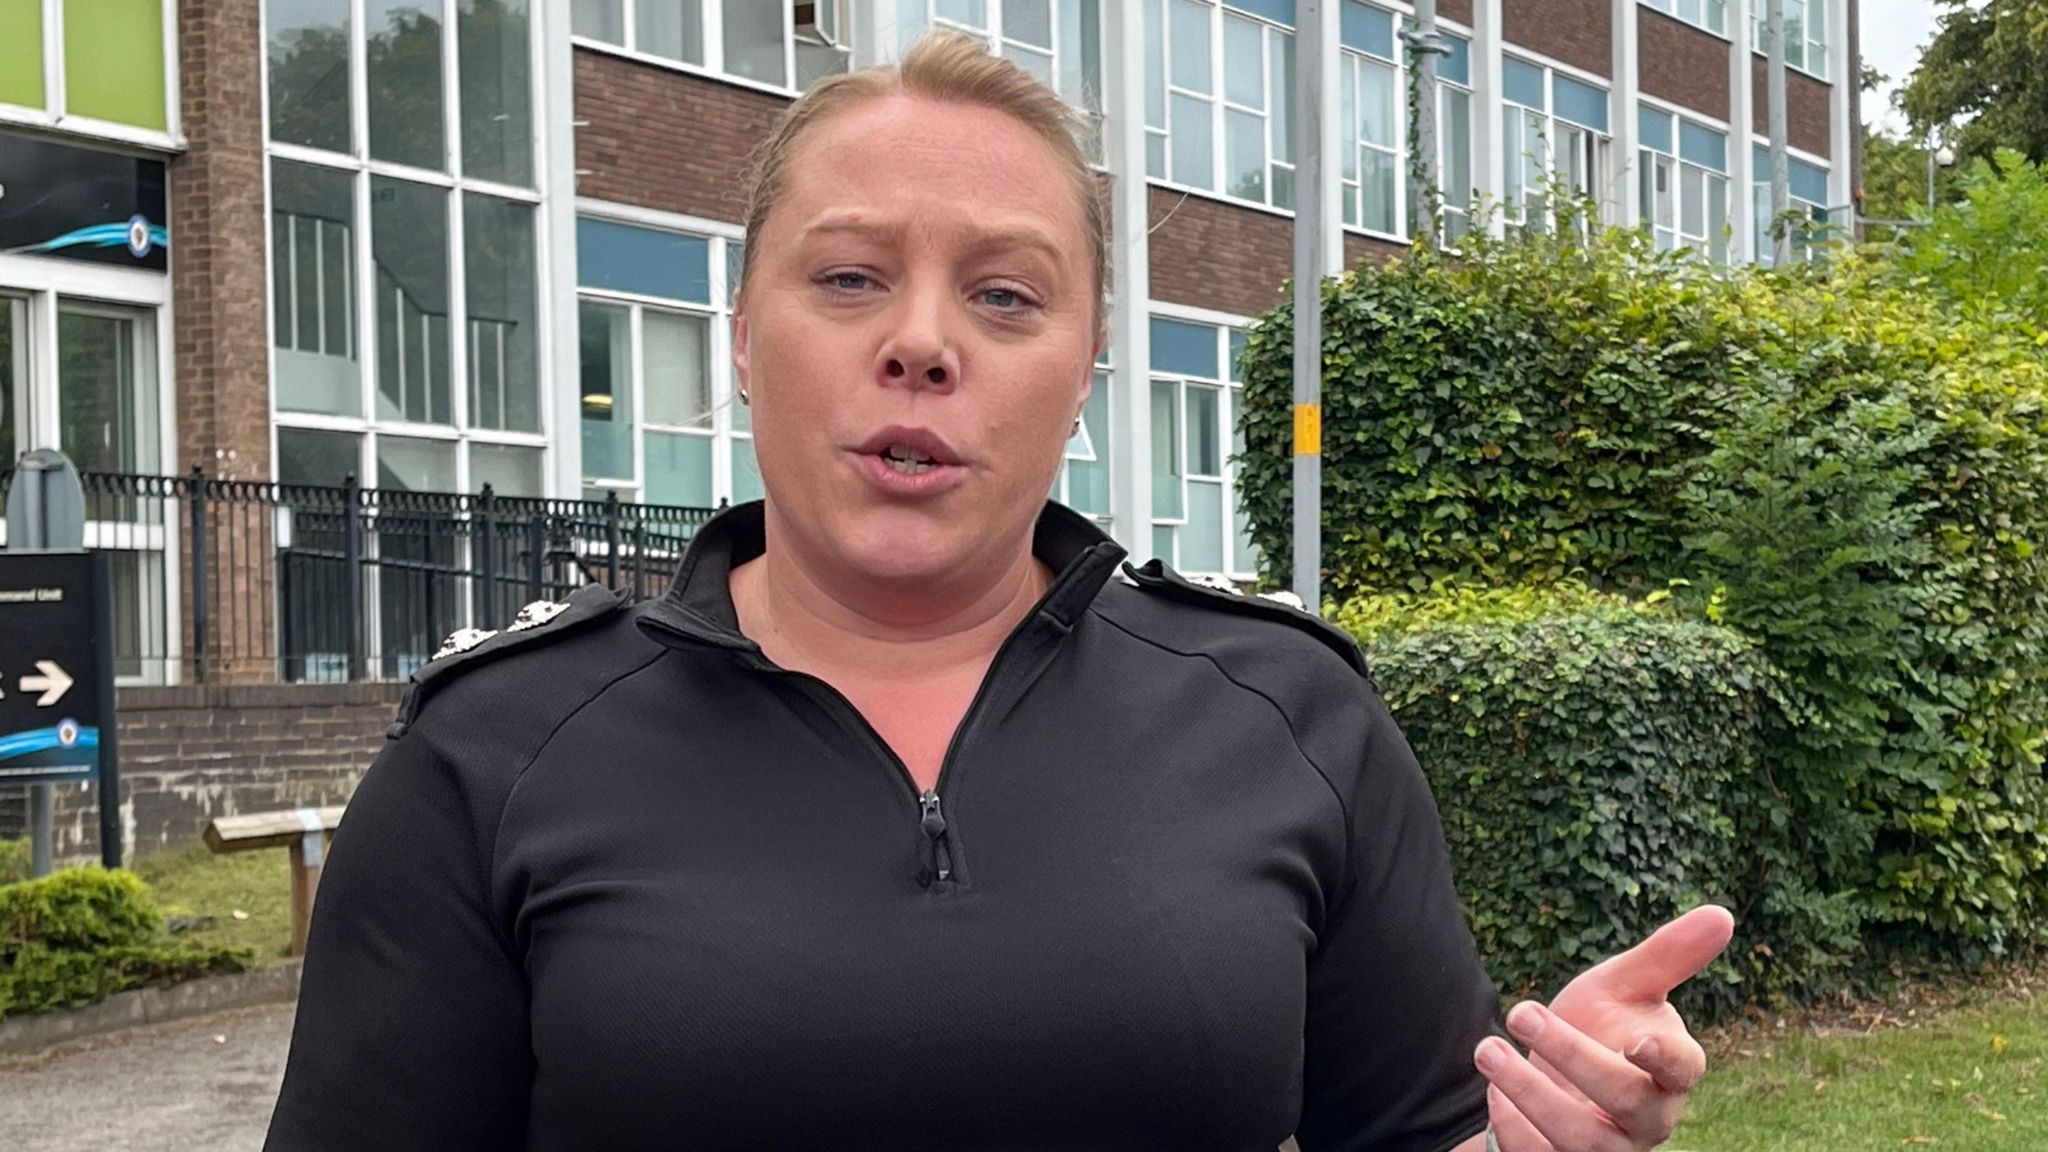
1282	52
497	90
973	13
309	73
1666	213
679	469
746	472
823	43
498	261
406	464
1205	451
1155	68
1190	30
753	40
1194	160
1162	542
13	370
106	401
1692	192
605	363
1244	62
114	61
643	261
1235	367
1201	539
1523	83
1088	480
1283	186
1381	175
21	62
409	241
1155	155
509	469
1081	53
1717	219
307	456
598	19
404	60
673	29
675	368
1028	21
1166	494
1580	103
1457	148
1363	28
1377	104
313	213
1184	348
1245	159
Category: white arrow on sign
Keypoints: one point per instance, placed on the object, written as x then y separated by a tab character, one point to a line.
53	683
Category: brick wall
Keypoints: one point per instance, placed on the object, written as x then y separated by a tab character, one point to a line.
219	302
1806	107
659	138
1578	32
1459	10
189	754
1682	64
1208	254
1359	248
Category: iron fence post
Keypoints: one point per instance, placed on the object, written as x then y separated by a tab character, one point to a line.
639	558
352	575
611	538
484	604
197	547
536	554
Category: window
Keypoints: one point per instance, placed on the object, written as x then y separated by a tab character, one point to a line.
364	264
112	53
1454	136
1806	34
656	420
1374	130
1811	221
1554	135
1221	73
1709	14
759	40
1684	174
1196	525
1083	483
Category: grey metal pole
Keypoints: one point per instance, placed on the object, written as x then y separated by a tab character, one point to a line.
41	819
1308	304
1781	173
1425	183
1930	173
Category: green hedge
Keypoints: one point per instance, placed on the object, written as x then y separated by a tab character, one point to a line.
1831	461
1602	766
82	934
14	860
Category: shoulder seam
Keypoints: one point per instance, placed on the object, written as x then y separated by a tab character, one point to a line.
1336	793
505	805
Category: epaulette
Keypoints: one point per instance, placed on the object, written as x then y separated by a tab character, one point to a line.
1155	577
538	623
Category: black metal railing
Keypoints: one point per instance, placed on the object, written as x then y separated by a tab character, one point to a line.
249	581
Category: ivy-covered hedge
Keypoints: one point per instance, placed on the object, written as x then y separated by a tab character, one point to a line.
1602	765
83	934
1840	466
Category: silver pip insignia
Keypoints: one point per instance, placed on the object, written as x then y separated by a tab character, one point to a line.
462	640
536	614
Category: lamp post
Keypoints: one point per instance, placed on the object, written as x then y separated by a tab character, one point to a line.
1943	156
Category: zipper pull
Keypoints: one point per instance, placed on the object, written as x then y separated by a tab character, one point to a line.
933	821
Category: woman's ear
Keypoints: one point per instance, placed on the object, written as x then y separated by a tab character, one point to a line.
739	347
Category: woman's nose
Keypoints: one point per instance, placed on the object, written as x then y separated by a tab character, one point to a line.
920	354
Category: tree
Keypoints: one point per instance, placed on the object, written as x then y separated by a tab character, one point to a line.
1987	253
1985	78
1894	176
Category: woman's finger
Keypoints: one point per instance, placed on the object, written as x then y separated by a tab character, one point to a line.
1512	1130
1672	1058
1563	1119
1601	1074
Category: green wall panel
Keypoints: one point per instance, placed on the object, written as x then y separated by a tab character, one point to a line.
114	61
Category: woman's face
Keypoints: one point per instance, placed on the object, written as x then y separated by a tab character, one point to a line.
917	334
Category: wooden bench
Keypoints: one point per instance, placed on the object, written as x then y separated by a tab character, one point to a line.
302	831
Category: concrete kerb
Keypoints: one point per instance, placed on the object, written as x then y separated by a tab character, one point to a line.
276	984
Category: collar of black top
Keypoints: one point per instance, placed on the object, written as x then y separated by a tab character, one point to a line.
698	603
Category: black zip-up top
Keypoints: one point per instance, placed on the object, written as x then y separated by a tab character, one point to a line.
619	882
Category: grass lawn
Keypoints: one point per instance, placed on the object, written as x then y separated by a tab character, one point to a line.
1974	1079
194	881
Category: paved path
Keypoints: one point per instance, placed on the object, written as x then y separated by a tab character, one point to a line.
203	1085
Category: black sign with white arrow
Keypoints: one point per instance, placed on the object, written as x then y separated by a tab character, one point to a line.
55	694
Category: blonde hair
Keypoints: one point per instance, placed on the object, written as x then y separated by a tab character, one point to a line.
951	68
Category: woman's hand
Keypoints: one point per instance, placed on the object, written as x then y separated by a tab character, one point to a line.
1611	1062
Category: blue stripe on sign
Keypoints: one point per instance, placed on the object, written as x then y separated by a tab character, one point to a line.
1653	128
1703	146
1580	103
44	739
1368	29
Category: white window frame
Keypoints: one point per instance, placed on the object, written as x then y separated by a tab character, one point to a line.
1516	117
713	31
1706	15
1813	47
361	167
53	115
1656	160
1083	445
1220	105
1760	201
1230	395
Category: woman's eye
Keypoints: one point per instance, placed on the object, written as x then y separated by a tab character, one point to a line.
846	281
1004	299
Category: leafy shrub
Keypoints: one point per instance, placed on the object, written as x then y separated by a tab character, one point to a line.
82	934
1846	469
1602	765
15	860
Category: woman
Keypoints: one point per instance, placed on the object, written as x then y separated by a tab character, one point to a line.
899	822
